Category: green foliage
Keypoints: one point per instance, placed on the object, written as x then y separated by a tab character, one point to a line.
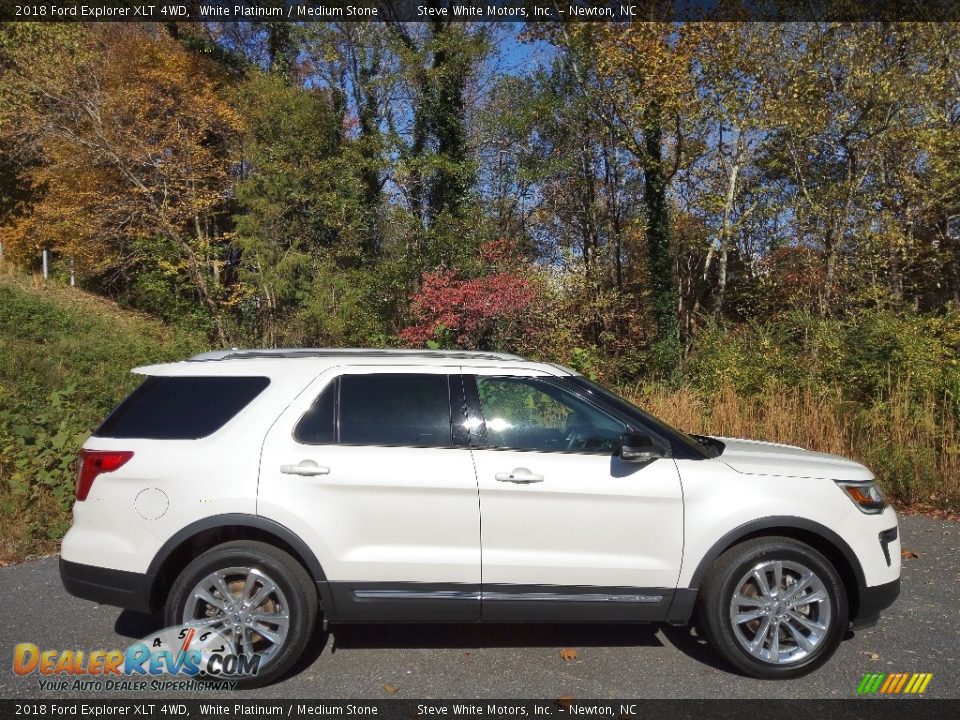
65	361
918	349
865	354
37	450
159	284
343	308
301	215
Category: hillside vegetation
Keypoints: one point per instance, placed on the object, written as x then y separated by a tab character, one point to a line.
751	229
65	357
884	395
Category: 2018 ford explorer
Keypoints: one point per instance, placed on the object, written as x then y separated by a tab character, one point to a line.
258	492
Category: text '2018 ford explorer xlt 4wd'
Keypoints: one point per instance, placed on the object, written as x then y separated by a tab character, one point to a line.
254	492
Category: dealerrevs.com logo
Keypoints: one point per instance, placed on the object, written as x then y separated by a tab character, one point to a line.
894	683
201	657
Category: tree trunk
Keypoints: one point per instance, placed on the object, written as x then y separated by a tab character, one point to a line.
830	271
206	297
726	234
663	292
280	48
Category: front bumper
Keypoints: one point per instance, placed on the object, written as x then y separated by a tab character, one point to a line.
108	587
872	601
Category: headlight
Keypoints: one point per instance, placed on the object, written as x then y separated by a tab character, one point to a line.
865	495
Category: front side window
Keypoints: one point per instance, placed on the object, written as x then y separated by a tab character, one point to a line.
394	409
523	413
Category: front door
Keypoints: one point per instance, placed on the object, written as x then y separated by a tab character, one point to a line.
569	531
364	467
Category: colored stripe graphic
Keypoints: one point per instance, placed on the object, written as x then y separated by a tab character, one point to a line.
871	683
894	683
903	680
918	683
891	681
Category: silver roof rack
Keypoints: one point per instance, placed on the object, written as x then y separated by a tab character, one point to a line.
273	353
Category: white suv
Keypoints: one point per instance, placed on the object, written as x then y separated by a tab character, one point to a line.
257	491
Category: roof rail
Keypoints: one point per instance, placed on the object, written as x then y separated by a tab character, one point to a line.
273	353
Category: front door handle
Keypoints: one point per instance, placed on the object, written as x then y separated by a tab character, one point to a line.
305	467
519	475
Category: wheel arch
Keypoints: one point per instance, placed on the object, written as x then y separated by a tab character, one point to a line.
819	537
200	536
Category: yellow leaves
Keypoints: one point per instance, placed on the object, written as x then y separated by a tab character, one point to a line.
644	63
568	654
142	151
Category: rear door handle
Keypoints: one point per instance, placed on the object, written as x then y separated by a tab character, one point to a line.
305	467
520	476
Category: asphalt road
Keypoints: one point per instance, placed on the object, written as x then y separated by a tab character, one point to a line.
920	633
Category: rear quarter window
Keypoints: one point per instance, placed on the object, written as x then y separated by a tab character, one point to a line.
180	408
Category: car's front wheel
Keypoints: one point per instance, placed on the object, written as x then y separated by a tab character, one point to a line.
258	598
774	607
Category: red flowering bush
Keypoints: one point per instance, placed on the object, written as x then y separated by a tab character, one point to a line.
484	313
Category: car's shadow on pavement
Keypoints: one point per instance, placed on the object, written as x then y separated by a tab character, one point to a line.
136	625
491	636
686	640
683	639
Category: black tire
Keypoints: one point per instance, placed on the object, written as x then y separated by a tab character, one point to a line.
289	575
714	612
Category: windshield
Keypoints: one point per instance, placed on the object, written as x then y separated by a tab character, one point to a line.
699	444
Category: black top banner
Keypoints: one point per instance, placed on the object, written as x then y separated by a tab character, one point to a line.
626	709
303	11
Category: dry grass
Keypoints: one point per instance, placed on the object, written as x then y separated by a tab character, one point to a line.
912	445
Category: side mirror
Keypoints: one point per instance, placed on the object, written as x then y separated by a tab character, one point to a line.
641	448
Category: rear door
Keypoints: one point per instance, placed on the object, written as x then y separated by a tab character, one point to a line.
569	531
366	467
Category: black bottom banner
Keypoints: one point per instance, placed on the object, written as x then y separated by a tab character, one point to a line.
626	709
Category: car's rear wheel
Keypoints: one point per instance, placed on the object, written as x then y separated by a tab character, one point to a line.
257	597
774	607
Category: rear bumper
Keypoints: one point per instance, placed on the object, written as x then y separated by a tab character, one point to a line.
107	587
872	601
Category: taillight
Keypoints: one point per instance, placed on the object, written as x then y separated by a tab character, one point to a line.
94	462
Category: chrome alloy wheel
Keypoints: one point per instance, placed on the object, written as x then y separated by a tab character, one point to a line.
780	611
246	605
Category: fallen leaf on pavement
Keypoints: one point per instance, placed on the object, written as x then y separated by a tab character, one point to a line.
568	654
564	701
390	689
908	555
872	655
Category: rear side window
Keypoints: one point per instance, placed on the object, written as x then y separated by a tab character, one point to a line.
395	409
318	424
180	408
